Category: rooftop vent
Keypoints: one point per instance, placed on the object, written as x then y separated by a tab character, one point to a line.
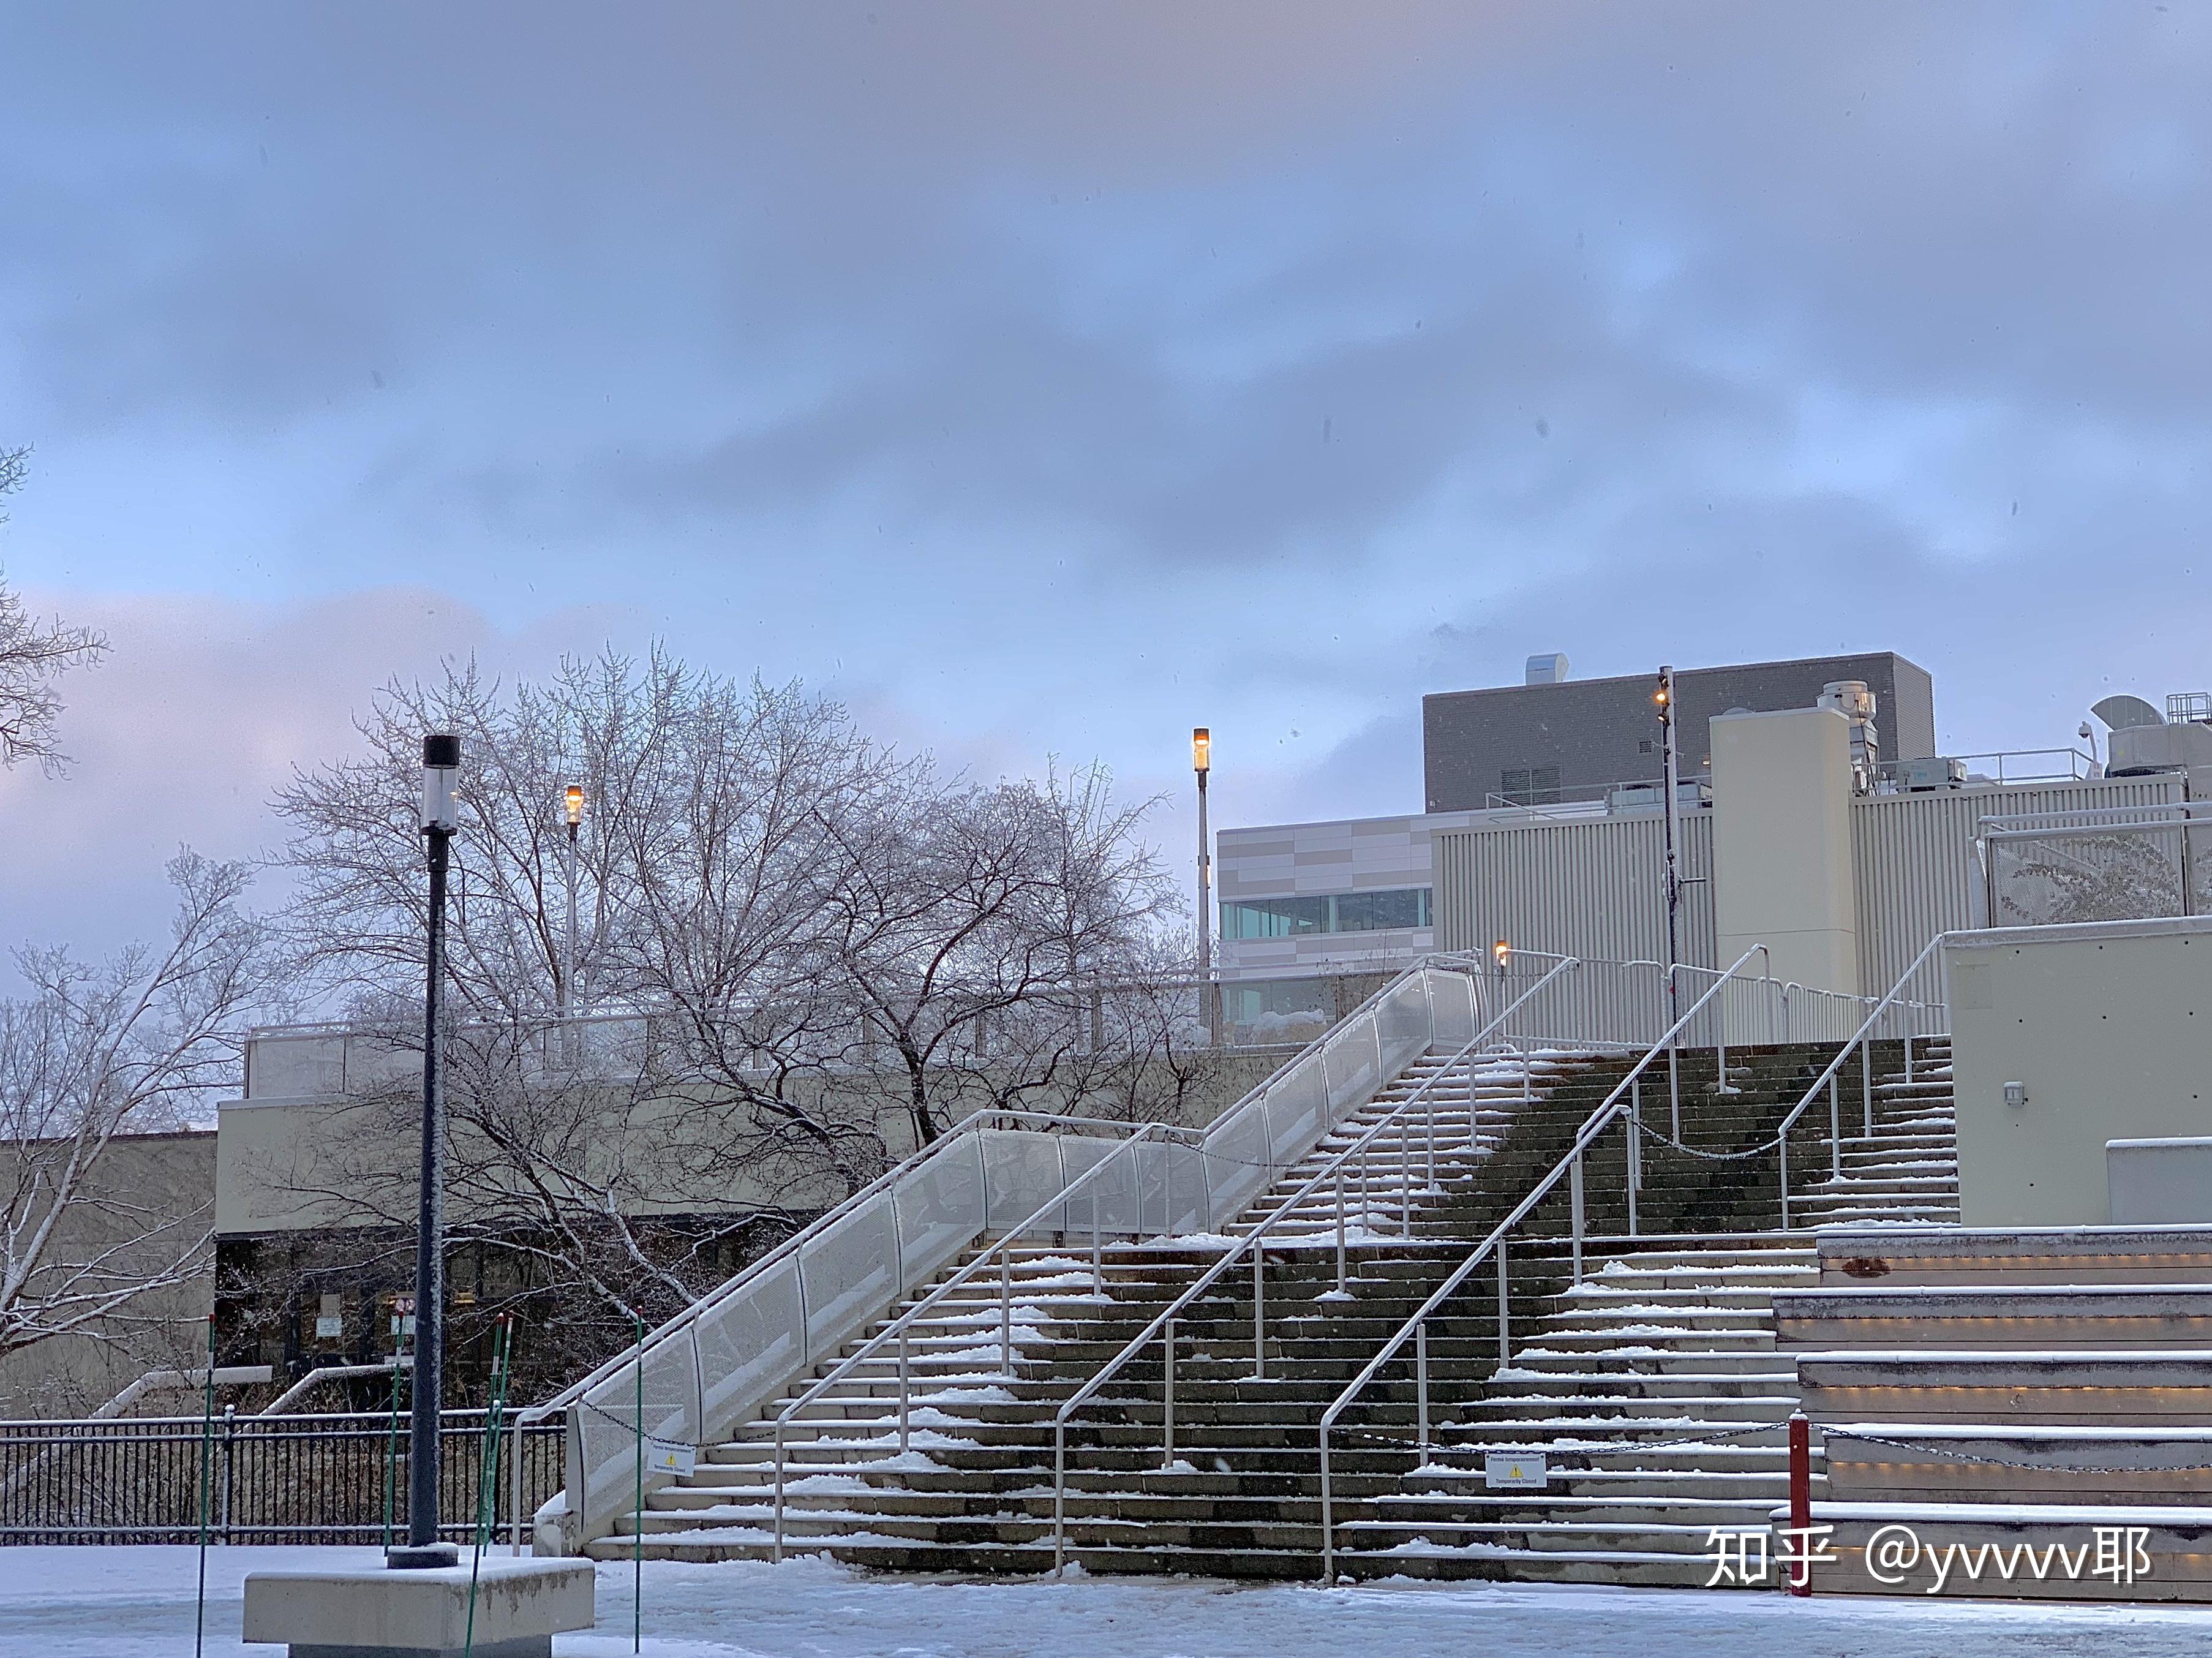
1548	669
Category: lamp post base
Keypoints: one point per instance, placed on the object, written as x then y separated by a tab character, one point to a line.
422	1557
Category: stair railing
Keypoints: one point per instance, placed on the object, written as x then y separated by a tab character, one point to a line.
1863	1040
1615	1107
792	1249
1163	1327
896	1331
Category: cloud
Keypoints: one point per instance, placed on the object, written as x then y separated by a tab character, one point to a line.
1051	380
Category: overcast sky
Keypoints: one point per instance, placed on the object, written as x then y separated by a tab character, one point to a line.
1044	380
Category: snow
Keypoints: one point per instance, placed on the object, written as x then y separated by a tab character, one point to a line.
138	1603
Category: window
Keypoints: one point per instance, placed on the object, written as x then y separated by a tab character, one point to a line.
1370	912
1343	912
1274	917
1529	785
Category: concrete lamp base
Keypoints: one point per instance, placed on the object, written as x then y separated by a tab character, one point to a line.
520	1604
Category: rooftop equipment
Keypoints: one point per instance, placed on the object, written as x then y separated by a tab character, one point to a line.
1548	669
1852	699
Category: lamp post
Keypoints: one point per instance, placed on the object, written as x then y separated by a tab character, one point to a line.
441	764
1663	698
572	806
1201	763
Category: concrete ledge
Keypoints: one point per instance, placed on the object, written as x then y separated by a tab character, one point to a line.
520	1604
2014	1551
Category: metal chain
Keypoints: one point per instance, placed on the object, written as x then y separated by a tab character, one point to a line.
2029	1467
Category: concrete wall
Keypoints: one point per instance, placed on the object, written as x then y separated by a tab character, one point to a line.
2109	1025
151	1179
287	1165
1604	730
1782	845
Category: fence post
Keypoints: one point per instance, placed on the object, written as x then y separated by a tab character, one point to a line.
1835	1125
1006	1304
229	1464
1801	1502
1340	1229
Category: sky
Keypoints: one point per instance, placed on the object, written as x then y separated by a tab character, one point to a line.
1044	380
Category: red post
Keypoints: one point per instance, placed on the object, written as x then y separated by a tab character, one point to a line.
1800	1502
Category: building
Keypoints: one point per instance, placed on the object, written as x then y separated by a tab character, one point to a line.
1556	739
1552	837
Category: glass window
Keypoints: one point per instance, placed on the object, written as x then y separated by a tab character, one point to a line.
1274	917
1371	912
1344	912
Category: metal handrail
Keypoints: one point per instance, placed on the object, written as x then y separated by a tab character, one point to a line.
1598	1120
1002	1250
615	1365
1863	1040
792	1246
1251	1242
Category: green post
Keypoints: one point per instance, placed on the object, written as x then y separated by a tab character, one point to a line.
488	1466
392	1444
207	1469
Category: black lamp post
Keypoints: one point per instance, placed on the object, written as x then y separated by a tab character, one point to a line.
441	764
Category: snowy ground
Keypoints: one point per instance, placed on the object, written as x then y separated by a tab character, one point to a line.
138	1603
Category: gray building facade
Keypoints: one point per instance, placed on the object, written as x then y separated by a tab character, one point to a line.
1521	743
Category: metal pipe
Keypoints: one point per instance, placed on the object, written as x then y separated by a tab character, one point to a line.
1006	1306
1866	1081
1782	1140
1259	1315
1404	1182
1835	1131
1167	1438
1635	1174
1575	1204
1098	1277
903	1387
423	1545
1339	1231
1504	1311
1421	1385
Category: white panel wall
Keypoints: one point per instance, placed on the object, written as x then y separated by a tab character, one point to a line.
2109	1027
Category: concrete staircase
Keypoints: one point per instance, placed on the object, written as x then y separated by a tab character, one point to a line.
1656	1390
2003	1391
1669	1337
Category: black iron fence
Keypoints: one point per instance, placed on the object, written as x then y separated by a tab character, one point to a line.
332	1478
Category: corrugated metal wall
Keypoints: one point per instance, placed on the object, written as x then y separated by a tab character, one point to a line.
1914	857
1589	887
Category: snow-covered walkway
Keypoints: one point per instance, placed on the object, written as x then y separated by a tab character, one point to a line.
137	1603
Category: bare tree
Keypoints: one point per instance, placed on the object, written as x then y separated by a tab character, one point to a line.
791	942
97	1053
32	654
982	929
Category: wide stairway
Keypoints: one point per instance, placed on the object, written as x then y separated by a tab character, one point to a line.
1652	1378
1655	1390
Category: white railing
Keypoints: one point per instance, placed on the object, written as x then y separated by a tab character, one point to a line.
1622	1103
728	1354
1400	1119
1908	1016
